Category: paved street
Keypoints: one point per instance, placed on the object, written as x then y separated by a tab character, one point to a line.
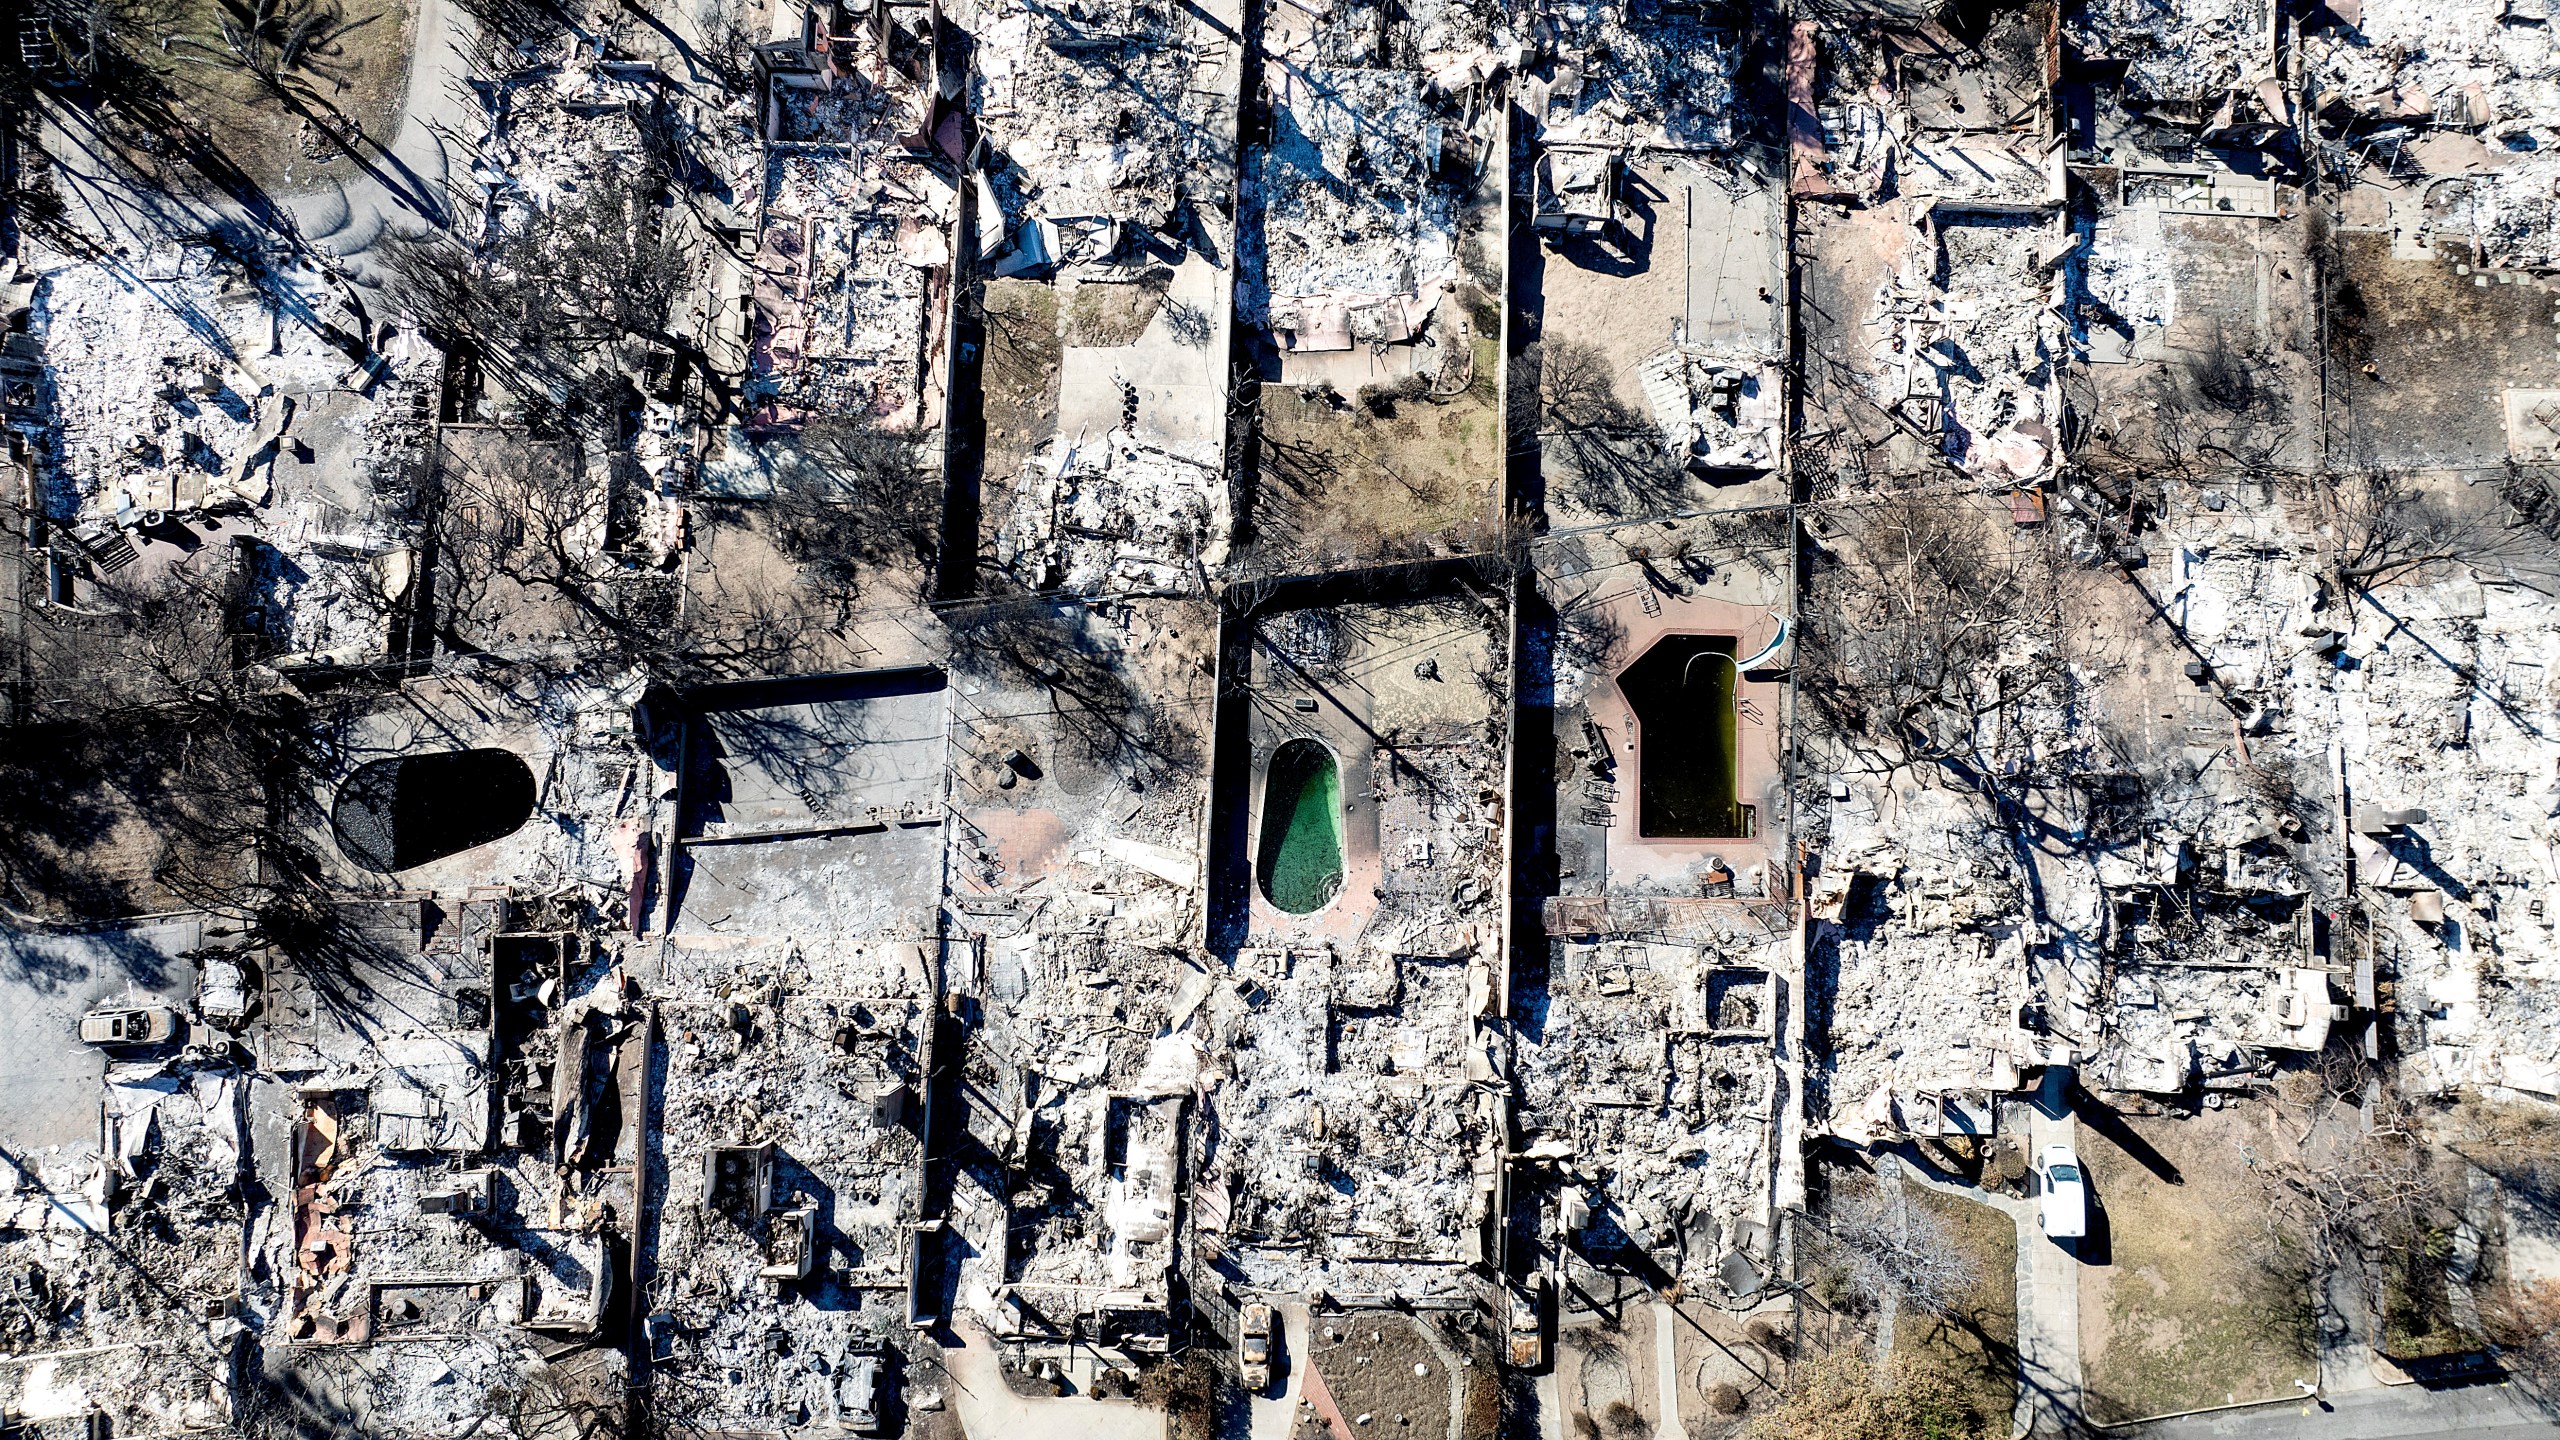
2403	1412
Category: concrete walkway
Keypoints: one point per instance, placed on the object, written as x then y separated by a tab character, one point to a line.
989	1410
1666	1369
2048	1281
2048	1293
1551	1424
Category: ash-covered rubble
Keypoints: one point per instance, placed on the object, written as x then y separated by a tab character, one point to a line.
1931	1011
456	1178
1369	955
787	1258
1381	125
2189	81
222	402
1073	904
1641	75
1655	1091
1715	412
1118	514
1972	343
2450	781
127	1259
2449	102
1358	1125
853	212
549	125
1113	123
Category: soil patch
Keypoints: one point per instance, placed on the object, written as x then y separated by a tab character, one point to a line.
1341	481
354	87
1978	1343
1367	1359
1106	315
2189	1299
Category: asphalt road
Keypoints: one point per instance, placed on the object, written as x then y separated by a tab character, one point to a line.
2401	1412
49	1080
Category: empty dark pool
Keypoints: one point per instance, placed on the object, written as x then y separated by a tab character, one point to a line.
1299	861
408	810
1687	755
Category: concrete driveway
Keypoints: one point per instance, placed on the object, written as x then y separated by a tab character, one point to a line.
1275	1411
989	1410
49	1081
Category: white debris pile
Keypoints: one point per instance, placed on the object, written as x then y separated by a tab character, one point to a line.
1351	1131
172	385
1920	908
1654	1087
853	247
1454	41
1350	189
1122	516
833	1084
2131	279
2170	1026
550	128
1072	1010
1971	340
2457	854
1714	411
124	1262
2249	606
1652	82
1104	108
2177	53
329	594
2512	208
2457	63
2463	69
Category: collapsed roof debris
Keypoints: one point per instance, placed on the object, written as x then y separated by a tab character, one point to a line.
1108	119
712	752
1973	320
853	214
1643	75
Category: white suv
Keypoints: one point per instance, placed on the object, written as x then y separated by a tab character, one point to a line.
2065	1212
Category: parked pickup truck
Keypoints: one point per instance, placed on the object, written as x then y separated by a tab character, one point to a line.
1253	1346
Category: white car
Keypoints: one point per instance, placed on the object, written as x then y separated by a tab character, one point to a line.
111	1026
2065	1211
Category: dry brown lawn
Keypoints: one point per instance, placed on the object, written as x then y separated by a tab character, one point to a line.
2198	1303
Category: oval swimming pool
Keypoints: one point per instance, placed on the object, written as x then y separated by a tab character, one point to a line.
406	810
1299	861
